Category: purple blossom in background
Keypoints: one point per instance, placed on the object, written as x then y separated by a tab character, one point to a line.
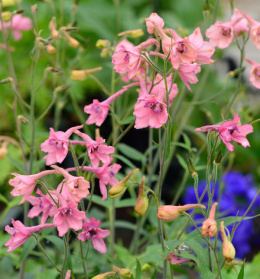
239	191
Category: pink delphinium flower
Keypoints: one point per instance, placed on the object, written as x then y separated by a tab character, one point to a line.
230	130
68	274
150	111
68	216
77	186
99	110
20	233
40	204
187	73
57	145
153	18
240	23
209	226
19	23
220	34
128	59
25	184
254	73
97	151
95	234
254	30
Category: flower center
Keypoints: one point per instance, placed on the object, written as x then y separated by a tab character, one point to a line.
181	48
58	143
66	211
93	233
96	108
226	31
257	72
155	106
94	149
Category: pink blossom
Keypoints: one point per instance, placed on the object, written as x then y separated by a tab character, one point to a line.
74	187
187	73
254	73
220	34
99	110
239	22
68	274
106	175
95	234
57	145
150	111
68	216
127	59
19	23
153	18
254	30
230	130
25	184
40	204
97	151
20	233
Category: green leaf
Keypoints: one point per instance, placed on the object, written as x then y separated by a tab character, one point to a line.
16	163
186	140
181	161
115	262
56	241
138	269
125	160
3	199
128	120
241	272
27	248
155	272
130	152
125	256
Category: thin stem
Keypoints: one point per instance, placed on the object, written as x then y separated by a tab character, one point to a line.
91	194
124	133
65	241
83	260
46	255
46	189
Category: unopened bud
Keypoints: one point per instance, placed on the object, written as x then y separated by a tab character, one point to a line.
142	202
34	9
71	41
228	251
132	33
8	3
6	80
119	188
54	70
218	157
6	16
102	44
52	27
22	119
172	212
190	165
104	275
61	88
209	226
145	267
106	52
51	49
123	272
82	74
3	150
236	72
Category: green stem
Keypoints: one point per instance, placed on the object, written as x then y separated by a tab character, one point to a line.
124	133
66	252
92	192
83	260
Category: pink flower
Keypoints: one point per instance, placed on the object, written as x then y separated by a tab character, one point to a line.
239	22
230	130
220	34
127	59
68	274
99	110
74	187
40	204
254	73
24	184
68	216
209	226
95	234
106	175
19	23
153	18
150	111
20	233
187	73
57	145
254	30
97	151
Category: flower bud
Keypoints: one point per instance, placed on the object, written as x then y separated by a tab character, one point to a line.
6	16
71	41
106	52
123	272
145	267
8	3
228	251
104	275
132	33
172	212
142	200
52	27
51	49
61	88
22	119
209	226
190	165
3	150
102	44
119	188
6	80
218	157
82	74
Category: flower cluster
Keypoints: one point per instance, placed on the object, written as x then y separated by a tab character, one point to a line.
239	191
186	55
